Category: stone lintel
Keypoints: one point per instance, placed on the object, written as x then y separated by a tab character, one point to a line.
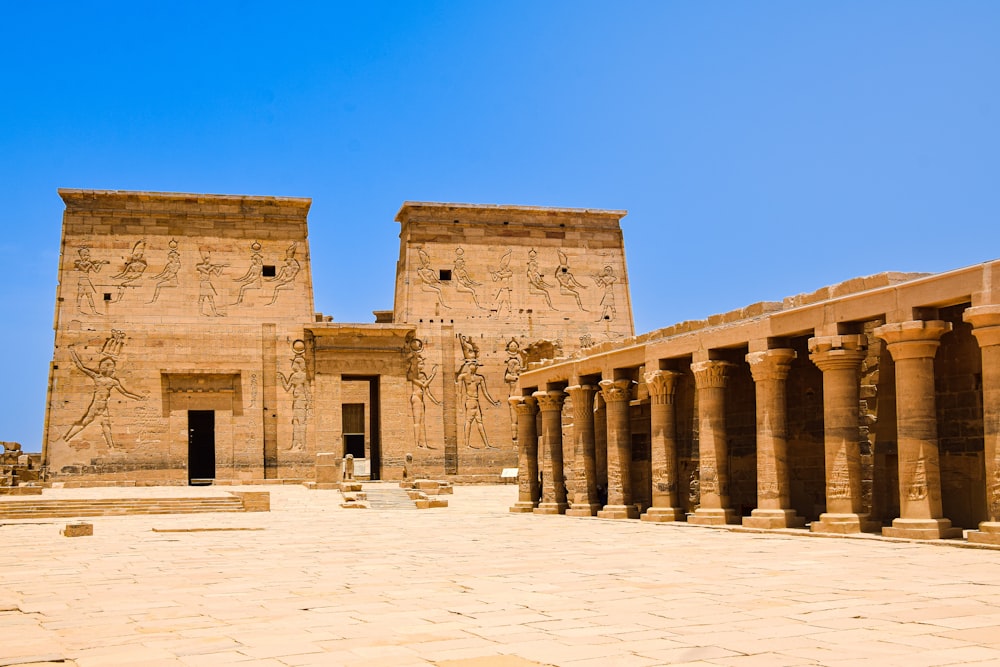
769	519
922	529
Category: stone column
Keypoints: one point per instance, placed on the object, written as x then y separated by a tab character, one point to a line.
986	323
601	444
913	346
770	370
584	501
527	454
840	357
710	379
550	404
663	446
616	395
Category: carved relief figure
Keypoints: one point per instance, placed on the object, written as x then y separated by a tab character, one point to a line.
297	382
84	287
465	282
502	275
607	279
134	267
568	283
839	484
536	282
918	485
470	383
206	290
420	387
168	276
512	371
429	281
290	269
470	351
104	383
255	274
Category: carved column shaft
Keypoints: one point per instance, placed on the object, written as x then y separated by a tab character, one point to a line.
584	501
913	346
710	378
986	323
663	446
527	454
616	395
550	405
601	442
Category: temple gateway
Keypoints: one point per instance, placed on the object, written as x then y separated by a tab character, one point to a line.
188	350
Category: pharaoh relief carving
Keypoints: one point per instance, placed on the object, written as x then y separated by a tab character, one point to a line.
420	388
133	269
429	281
105	382
168	276
286	275
85	289
206	289
606	280
512	371
536	282
464	282
471	383
568	284
253	278
503	276
297	382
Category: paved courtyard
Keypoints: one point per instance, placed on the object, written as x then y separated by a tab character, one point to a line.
310	583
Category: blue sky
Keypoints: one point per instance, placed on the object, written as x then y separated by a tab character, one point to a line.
762	149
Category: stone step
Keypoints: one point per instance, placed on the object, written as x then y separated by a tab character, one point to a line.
387	497
52	509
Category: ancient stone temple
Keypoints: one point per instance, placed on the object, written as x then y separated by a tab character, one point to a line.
188	349
873	405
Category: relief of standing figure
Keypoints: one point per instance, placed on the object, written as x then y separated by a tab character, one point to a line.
470	382
503	275
206	290
298	383
607	279
511	373
420	387
84	287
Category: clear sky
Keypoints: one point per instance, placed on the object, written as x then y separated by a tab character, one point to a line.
762	149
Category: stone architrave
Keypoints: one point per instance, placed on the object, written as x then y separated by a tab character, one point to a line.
913	346
584	501
710	378
550	404
527	454
663	441
616	395
986	328
840	357
770	370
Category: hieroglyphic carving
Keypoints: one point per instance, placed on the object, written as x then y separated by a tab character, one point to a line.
568	284
511	373
84	287
606	279
503	275
253	278
917	489
993	492
253	390
420	388
104	383
839	484
470	351
168	276
206	290
536	282
465	282
133	269
429	281
470	383
286	275
298	383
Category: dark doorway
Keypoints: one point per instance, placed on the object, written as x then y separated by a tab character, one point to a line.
374	427
201	446
353	422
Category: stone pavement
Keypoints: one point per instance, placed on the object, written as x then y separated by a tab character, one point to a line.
472	585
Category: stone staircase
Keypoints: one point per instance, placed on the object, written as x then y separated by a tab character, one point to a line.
387	497
75	508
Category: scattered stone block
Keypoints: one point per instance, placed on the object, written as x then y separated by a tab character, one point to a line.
80	529
254	501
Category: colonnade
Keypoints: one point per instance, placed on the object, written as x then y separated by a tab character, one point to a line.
912	346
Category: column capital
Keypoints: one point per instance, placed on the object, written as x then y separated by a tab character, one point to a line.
916	339
523	405
985	321
841	352
616	391
661	386
550	401
771	364
711	374
579	392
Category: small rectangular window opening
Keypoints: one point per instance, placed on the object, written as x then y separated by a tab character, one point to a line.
107	296
444	274
267	271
